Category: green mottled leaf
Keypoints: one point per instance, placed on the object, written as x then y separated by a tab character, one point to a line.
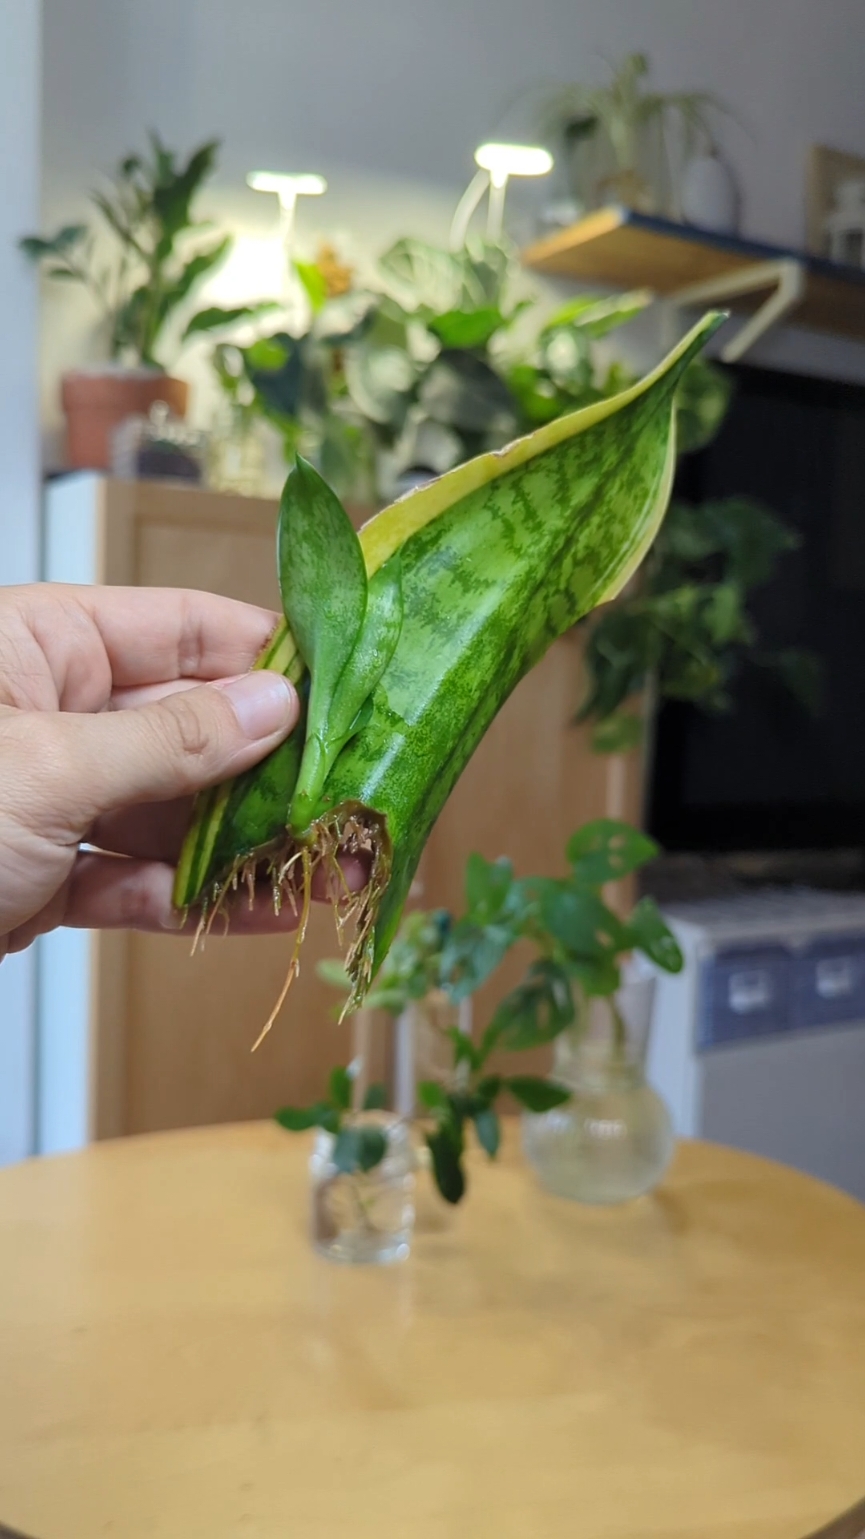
499	556
323	584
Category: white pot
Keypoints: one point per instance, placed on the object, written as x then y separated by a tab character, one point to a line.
709	197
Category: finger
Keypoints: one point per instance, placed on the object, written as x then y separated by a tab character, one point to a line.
147	635
152	831
151	634
172	747
145	694
108	893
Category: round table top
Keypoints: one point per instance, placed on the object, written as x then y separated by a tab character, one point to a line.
176	1362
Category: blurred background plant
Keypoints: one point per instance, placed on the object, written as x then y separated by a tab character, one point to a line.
158	261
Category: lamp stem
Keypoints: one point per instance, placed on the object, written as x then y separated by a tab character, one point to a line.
465	209
496	207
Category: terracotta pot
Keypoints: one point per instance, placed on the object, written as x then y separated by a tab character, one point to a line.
95	403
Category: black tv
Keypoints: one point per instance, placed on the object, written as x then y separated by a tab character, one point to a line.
767	776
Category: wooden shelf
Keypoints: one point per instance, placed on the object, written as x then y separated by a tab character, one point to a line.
623	249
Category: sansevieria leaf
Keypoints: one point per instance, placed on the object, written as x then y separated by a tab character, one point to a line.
497	558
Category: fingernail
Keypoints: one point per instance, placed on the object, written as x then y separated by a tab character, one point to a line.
263	702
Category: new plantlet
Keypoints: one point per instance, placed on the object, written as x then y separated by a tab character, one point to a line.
414	634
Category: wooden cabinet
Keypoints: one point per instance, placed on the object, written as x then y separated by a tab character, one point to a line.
136	1035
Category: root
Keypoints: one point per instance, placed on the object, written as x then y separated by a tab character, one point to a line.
290	868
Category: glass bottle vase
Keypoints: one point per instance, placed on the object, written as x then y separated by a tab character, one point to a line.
614	1139
364	1216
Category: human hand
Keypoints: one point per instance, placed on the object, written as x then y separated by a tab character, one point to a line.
116	705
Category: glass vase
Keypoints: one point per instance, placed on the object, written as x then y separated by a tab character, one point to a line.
364	1216
614	1139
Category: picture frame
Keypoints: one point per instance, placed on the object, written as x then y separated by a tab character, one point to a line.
826	169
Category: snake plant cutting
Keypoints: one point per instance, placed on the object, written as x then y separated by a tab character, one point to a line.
407	639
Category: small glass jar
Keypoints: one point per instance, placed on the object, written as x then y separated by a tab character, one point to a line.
364	1216
614	1139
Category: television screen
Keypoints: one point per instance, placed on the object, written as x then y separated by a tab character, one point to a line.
767	775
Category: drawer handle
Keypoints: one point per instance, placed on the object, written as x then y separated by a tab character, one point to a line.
835	977
749	991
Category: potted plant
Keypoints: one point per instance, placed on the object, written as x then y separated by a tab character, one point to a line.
630	129
158	262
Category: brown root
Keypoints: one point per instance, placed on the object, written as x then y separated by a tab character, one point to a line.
290	868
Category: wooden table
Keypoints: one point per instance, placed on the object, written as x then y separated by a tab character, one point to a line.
175	1363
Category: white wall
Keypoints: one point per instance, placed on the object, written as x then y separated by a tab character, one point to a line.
19	475
389	97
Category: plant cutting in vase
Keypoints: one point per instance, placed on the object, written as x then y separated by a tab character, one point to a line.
159	261
580	945
412	635
362	1172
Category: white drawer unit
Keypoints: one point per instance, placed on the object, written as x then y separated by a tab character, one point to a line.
760	1041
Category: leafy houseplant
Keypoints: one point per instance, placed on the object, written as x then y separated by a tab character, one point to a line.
394	384
580	944
160	258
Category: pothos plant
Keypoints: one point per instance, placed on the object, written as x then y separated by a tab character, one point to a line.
160	255
399	380
685	630
580	944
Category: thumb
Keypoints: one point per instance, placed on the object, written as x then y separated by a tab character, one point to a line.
176	745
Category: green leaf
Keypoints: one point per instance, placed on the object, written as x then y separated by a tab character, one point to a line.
332	972
620	733
299	1119
371	1147
340	1086
537	1095
487	1089
606	850
488	884
431	1095
376	1098
462	391
314	283
489	1131
447	1165
650	934
324	594
595	316
471	954
215	317
345	1153
373	651
267	355
702	401
464	1048
467	328
535	1012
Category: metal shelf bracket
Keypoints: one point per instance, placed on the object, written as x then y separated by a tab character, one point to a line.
785	276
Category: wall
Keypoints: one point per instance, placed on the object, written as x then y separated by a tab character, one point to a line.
19	476
389	97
